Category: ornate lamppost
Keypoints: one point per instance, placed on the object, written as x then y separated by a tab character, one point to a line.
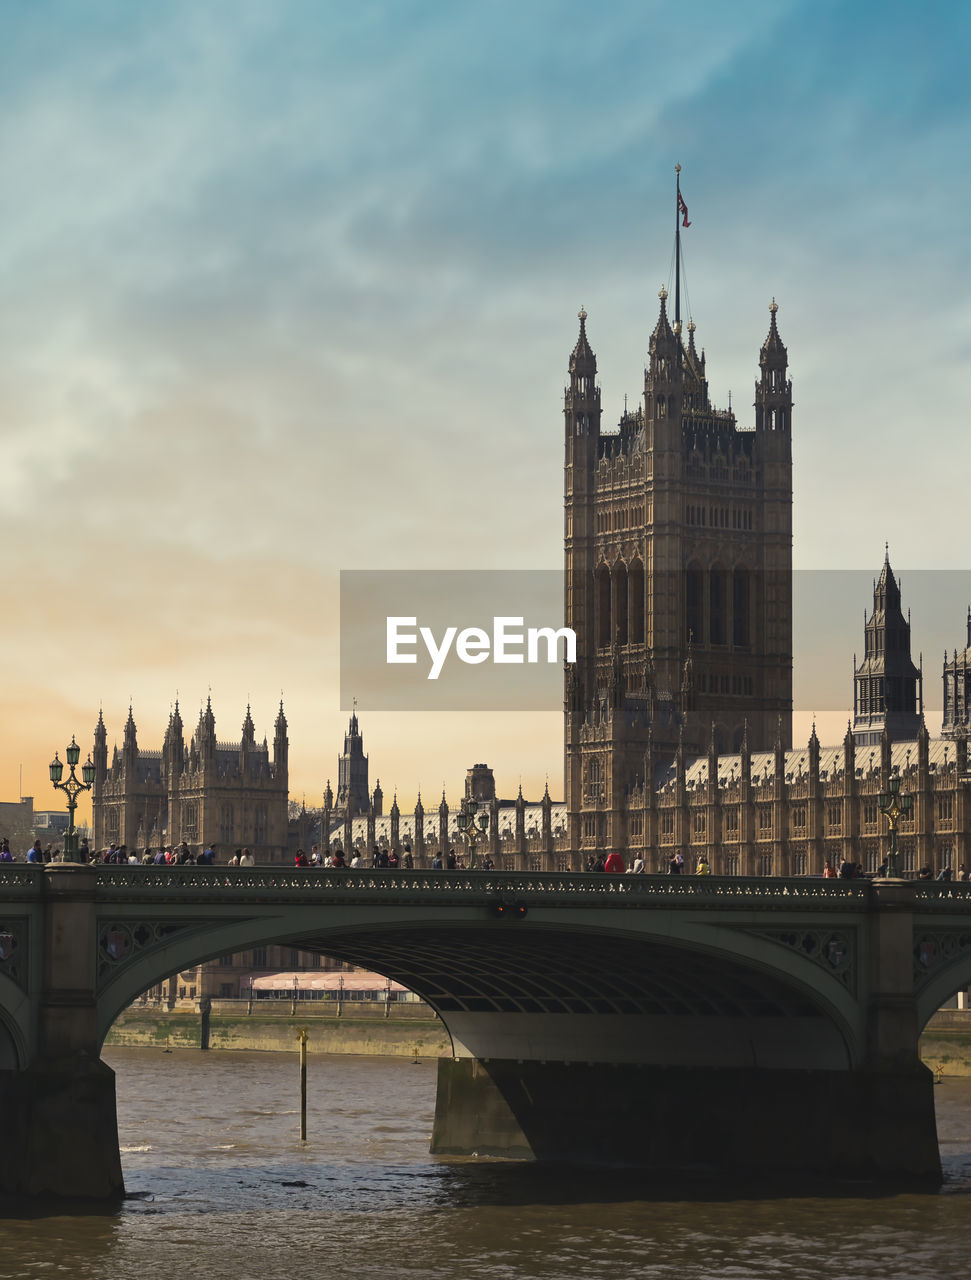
473	825
72	789
894	804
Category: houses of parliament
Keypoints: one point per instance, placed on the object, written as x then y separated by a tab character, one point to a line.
678	711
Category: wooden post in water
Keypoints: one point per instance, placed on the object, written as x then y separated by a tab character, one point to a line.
302	1037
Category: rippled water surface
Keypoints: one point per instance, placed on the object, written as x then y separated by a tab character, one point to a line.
221	1188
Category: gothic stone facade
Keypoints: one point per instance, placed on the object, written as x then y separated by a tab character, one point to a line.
785	812
203	791
678	546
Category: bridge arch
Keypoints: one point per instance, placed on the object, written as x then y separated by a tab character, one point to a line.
933	994
634	987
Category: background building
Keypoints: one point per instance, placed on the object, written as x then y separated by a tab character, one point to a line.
17	824
887	687
202	791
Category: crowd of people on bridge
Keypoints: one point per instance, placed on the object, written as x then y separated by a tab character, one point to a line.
383	859
612	863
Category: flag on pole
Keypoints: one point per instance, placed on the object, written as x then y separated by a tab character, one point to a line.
683	210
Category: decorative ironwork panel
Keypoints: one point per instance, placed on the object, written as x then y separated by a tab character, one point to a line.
832	950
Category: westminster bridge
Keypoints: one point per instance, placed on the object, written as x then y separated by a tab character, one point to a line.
745	1025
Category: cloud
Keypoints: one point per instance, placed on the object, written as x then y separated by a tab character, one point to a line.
288	289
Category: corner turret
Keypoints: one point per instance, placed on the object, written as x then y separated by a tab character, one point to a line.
773	391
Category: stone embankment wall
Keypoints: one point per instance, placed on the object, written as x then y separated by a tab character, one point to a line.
409	1030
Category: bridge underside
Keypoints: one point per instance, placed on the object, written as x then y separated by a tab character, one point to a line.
551	995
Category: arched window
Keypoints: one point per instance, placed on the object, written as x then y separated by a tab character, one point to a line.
635	596
619	594
741	609
694	601
717	606
601	584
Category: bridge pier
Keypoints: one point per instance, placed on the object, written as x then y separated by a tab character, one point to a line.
875	1125
58	1130
58	1125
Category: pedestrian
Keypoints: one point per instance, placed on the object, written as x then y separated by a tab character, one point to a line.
451	862
614	862
674	866
962	872
35	853
829	871
5	854
703	869
944	873
246	859
600	864
437	862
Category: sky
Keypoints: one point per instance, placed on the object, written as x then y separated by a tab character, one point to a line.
288	289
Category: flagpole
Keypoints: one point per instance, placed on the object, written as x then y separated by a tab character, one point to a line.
677	246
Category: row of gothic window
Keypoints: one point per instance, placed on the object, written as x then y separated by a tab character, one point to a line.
625	518
897	641
876	695
718	517
718	605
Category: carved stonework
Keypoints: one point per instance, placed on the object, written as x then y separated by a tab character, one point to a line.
119	942
935	949
14	950
832	950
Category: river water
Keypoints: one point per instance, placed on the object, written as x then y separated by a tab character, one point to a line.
221	1188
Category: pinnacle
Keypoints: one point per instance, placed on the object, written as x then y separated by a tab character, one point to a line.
582	359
